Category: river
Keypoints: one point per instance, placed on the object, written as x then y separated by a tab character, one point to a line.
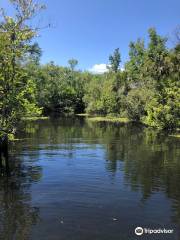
73	179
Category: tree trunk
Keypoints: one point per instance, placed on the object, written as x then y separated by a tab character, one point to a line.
4	153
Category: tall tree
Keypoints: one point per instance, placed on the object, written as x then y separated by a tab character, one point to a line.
155	67
115	60
72	63
16	89
136	59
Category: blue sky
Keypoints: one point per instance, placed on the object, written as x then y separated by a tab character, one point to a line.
89	30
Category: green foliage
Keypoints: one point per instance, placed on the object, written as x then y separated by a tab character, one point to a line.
100	97
163	111
147	90
92	96
154	76
155	67
17	91
136	101
59	89
134	65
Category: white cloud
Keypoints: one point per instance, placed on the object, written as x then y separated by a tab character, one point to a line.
99	68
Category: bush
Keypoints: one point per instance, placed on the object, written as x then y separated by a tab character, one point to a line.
164	112
136	101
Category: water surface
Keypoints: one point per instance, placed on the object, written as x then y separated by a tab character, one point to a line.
77	180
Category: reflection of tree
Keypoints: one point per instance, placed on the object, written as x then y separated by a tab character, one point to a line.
17	215
151	159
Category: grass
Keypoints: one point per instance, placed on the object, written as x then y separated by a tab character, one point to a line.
35	118
104	118
18	139
82	114
109	119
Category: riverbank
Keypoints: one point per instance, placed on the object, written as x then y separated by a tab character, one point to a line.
175	134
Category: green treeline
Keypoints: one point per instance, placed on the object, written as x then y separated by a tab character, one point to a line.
146	90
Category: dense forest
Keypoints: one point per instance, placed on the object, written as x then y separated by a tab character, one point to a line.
146	90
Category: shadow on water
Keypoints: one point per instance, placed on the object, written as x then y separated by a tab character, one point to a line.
98	181
17	215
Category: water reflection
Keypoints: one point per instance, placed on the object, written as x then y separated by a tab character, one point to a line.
81	175
17	215
151	160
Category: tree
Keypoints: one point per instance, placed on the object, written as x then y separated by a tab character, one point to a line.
136	102
72	63
155	69
177	35
33	55
59	89
115	61
136	59
16	89
100	97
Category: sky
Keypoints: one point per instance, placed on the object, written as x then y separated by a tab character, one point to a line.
90	30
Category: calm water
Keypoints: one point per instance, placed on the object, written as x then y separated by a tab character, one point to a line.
77	180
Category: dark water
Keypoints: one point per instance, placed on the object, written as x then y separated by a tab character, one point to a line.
77	180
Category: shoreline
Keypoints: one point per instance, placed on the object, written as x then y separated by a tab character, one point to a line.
175	133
